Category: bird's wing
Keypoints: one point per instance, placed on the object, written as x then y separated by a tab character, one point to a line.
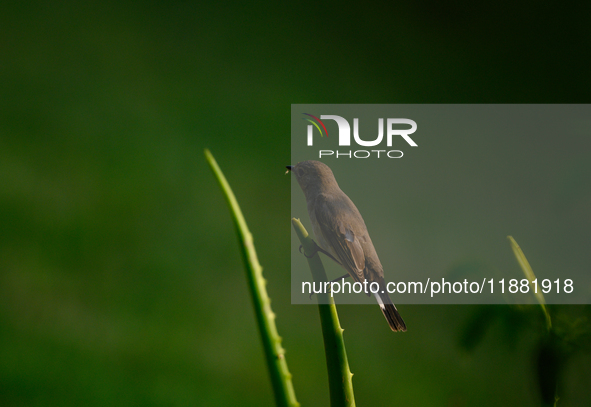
341	238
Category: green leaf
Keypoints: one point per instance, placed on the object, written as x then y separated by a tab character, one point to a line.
274	352
339	375
529	274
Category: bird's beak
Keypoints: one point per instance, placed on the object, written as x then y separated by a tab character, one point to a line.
289	168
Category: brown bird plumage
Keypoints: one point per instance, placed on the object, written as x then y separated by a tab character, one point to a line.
340	230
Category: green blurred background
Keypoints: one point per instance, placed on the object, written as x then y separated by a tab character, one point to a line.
120	278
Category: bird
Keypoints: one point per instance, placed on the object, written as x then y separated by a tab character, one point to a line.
341	233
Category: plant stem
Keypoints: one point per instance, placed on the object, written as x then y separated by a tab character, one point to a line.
529	274
274	352
548	359
339	375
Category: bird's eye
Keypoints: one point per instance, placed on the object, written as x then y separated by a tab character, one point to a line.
300	172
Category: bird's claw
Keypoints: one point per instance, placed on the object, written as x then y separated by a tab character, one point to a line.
309	257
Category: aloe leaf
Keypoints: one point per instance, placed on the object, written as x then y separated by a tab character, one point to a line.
339	375
274	352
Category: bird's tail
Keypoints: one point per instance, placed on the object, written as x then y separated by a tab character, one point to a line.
390	312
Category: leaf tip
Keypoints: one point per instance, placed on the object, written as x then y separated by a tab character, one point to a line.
208	156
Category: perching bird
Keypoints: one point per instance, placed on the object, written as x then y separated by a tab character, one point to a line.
340	230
